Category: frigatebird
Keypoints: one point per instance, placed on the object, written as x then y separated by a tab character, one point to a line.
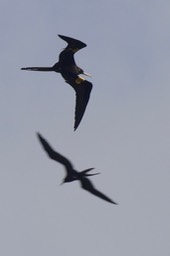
71	173
67	67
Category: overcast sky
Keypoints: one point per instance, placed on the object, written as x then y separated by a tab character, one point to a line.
125	132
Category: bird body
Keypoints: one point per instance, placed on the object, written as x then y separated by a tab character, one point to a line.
67	67
71	173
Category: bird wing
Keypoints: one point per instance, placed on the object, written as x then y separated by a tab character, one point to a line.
54	155
73	44
82	97
66	56
83	89
87	185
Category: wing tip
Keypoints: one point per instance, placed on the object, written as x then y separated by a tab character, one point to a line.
41	139
38	135
71	40
112	202
75	127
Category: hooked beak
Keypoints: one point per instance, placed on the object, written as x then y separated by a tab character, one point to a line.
86	74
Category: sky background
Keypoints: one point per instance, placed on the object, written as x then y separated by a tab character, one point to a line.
125	132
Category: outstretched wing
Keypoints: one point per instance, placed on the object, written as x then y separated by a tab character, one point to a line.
83	89
82	97
66	56
87	185
54	155
73	44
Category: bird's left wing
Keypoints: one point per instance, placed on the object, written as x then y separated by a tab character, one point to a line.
87	185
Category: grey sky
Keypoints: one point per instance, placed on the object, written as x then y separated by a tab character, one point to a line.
124	133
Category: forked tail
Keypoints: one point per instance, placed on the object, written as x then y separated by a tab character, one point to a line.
85	172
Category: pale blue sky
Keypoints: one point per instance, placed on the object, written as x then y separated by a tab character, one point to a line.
125	132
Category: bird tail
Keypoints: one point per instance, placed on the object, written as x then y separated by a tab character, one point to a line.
85	172
38	69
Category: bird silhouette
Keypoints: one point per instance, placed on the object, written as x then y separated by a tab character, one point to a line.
67	67
71	173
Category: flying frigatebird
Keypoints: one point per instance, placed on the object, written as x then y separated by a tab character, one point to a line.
71	173
67	67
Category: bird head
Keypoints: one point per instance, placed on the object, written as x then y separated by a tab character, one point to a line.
65	180
81	71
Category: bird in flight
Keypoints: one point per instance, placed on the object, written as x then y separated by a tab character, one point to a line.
67	67
71	173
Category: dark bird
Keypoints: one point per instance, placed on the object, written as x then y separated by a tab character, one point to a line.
67	67
71	173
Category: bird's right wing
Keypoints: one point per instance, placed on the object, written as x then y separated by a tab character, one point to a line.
83	89
87	185
73	44
66	56
54	155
